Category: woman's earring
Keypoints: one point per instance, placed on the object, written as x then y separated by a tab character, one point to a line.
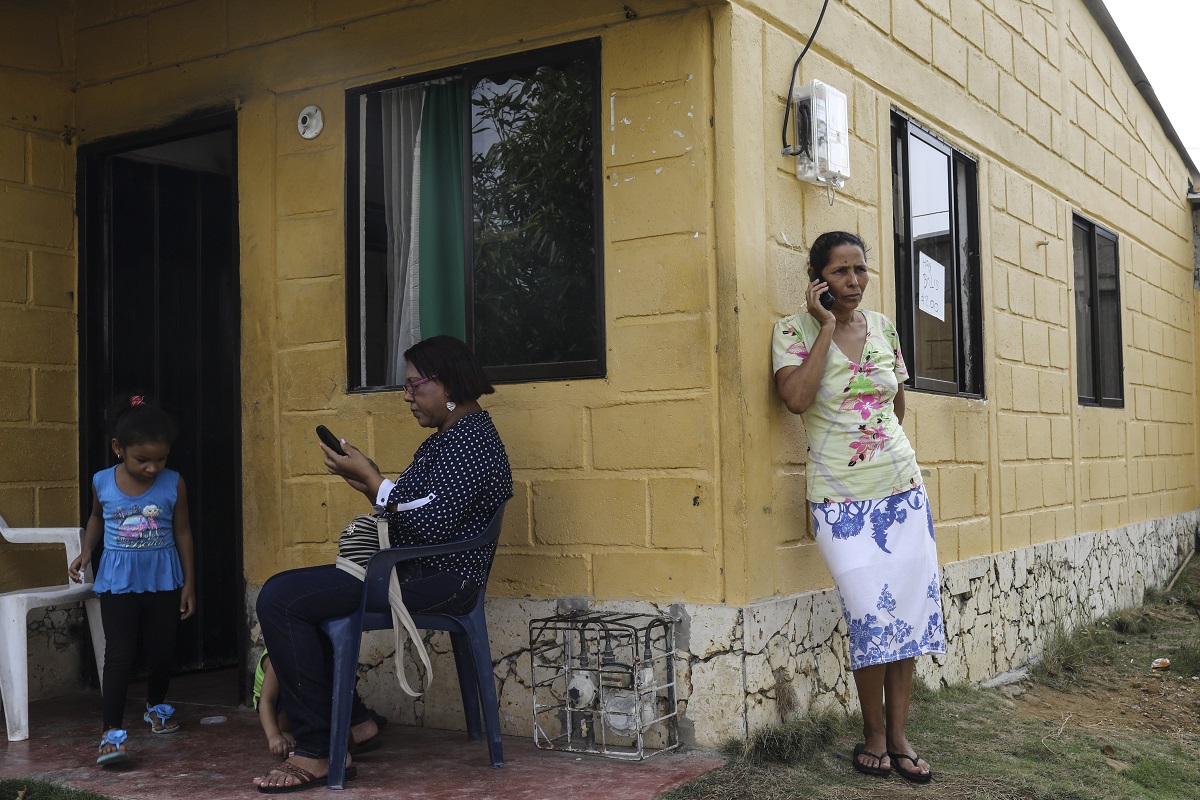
451	405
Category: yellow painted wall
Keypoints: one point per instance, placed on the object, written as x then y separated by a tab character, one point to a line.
38	439
1035	92
617	491
679	475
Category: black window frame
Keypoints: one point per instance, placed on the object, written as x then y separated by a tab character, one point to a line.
588	49
1091	338
964	274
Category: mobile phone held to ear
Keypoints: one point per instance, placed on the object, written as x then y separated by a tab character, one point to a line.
331	441
827	301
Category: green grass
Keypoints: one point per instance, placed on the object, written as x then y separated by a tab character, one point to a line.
981	748
798	739
27	789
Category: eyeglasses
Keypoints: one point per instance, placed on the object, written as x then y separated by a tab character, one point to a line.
410	386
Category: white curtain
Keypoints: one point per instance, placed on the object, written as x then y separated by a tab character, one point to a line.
402	199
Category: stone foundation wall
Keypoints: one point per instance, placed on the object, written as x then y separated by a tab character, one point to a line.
734	662
56	636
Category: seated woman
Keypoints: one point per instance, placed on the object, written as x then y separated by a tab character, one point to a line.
464	470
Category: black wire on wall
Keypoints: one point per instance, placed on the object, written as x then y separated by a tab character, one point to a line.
787	106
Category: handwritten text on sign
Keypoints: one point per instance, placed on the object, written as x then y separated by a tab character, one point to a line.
932	296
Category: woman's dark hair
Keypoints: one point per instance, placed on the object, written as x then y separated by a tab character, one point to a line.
135	419
822	250
454	365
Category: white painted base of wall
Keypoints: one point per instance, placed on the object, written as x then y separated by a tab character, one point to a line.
734	661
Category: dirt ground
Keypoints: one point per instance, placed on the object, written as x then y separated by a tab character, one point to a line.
1113	690
1158	703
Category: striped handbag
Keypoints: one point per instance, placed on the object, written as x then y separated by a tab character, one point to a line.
364	537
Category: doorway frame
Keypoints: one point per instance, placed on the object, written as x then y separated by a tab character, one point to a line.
197	123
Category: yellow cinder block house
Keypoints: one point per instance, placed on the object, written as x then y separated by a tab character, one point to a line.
206	198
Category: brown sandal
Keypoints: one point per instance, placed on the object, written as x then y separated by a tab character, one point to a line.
306	778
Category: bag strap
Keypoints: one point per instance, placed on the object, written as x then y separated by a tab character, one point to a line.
402	624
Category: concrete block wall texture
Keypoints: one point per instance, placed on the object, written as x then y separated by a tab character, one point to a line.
38	472
1036	94
624	447
706	235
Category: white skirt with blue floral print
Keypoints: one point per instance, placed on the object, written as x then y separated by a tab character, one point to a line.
883	558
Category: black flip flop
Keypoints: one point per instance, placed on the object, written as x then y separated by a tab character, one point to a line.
861	750
915	777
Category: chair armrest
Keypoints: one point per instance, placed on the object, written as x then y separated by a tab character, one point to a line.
68	537
379	568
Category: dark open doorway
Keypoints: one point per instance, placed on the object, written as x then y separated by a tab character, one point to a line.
159	313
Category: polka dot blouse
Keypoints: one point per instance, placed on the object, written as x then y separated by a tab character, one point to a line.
466	467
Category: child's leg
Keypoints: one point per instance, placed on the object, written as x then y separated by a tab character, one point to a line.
119	616
160	621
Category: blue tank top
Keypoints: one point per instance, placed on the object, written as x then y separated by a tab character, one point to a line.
139	536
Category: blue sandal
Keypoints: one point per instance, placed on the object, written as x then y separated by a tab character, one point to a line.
116	738
164	713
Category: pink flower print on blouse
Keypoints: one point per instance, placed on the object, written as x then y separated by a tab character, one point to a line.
869	442
864	369
797	347
864	404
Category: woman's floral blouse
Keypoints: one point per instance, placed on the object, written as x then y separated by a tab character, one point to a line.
856	447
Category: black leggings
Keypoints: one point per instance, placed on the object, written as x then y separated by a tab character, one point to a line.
157	615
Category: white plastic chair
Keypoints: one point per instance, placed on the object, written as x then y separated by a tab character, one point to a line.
14	612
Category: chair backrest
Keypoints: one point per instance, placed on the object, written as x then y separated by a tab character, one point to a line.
379	568
70	538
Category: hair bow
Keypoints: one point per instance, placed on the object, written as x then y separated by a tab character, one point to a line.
137	400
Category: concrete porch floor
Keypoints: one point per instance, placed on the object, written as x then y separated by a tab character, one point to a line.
219	760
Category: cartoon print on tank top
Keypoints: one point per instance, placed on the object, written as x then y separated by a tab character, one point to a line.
139	525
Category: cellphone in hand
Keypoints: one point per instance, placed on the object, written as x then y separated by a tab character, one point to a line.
331	441
827	301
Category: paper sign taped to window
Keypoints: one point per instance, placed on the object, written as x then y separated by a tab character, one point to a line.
932	297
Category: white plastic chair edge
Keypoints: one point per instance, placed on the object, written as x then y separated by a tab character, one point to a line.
72	540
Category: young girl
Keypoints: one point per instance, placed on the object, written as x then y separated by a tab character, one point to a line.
145	578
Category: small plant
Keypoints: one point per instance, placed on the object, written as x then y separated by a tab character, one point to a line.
1132	621
1186	660
1065	655
794	741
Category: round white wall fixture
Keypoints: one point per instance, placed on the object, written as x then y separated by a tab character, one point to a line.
310	122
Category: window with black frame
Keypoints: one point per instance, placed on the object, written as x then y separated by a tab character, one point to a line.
473	209
1097	315
936	222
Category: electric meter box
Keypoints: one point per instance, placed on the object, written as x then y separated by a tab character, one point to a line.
822	135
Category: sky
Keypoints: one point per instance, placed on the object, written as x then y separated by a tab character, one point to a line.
1158	32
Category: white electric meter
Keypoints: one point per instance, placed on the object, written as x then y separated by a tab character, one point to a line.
822	135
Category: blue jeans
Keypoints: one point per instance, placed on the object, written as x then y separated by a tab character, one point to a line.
293	604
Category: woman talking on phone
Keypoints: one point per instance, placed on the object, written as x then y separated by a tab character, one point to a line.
840	368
